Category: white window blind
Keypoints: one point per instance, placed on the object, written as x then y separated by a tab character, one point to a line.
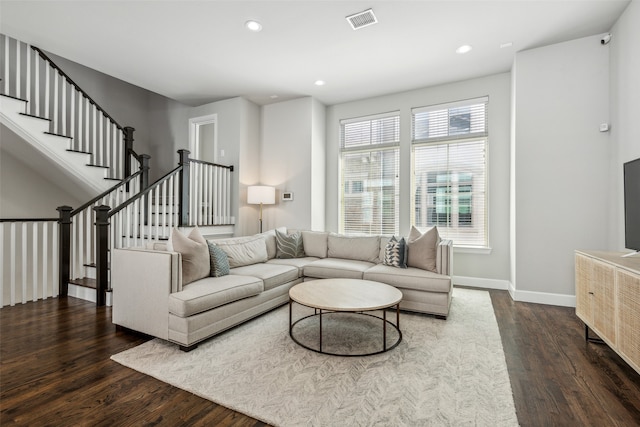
369	175
450	171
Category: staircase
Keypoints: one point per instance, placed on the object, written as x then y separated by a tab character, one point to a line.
57	122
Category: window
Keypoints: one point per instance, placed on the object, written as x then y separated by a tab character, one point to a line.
449	145
369	174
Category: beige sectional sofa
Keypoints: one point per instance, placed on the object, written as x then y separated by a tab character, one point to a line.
149	295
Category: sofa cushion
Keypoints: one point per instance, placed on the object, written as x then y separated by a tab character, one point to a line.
212	292
272	275
299	263
218	260
243	251
362	248
195	254
289	245
395	254
332	268
422	248
315	243
409	278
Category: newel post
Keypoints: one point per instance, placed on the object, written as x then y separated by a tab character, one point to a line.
183	208
128	148
64	249
144	166
144	183
102	250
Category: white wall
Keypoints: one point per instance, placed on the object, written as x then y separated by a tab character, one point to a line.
26	193
625	111
291	159
238	135
492	267
561	164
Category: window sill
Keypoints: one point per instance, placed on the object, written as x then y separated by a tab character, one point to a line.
479	250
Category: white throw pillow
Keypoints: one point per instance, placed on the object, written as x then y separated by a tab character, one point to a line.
422	248
195	254
243	251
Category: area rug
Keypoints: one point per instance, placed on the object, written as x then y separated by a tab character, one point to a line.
443	373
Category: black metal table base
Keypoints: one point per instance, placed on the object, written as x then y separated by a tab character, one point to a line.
319	313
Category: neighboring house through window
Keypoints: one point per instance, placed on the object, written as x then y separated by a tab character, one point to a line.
449	144
369	154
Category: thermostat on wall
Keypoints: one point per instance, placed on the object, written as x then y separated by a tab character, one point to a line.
287	196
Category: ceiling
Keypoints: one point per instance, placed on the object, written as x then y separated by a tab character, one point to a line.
200	51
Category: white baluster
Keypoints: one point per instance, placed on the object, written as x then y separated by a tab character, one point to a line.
24	262
63	108
34	265
94	139
18	82
157	213
7	77
2	264
164	208
87	141
55	283
101	141
47	90
81	140
12	261
28	81
72	116
36	83
45	260
56	82
109	150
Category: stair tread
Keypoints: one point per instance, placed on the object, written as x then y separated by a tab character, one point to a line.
78	151
34	116
58	134
84	282
98	166
14	97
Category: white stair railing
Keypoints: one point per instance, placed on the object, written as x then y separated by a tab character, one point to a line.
29	74
28	260
210	193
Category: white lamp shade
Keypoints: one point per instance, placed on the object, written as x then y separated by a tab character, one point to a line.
257	194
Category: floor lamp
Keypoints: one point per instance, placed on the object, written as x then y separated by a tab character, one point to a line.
261	195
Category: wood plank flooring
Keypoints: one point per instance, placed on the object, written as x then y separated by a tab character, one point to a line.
55	370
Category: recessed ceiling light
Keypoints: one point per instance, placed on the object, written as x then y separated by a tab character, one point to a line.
273	96
463	49
504	45
320	83
254	26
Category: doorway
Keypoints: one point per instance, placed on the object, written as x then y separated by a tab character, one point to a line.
203	138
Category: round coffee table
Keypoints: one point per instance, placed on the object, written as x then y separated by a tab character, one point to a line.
346	296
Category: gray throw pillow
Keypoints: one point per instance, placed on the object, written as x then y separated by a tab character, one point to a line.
289	245
395	253
218	260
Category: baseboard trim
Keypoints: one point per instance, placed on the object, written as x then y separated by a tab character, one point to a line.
561	300
479	282
517	295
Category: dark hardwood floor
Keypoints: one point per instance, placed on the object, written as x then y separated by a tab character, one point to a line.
55	370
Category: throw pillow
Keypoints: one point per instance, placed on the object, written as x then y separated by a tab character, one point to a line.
422	248
218	260
243	251
289	245
195	254
395	253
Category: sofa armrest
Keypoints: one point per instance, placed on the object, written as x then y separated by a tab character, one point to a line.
142	281
444	257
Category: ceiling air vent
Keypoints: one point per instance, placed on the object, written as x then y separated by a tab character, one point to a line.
362	19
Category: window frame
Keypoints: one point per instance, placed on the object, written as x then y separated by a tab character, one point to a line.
448	139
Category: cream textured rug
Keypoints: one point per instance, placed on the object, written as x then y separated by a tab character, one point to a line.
443	373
